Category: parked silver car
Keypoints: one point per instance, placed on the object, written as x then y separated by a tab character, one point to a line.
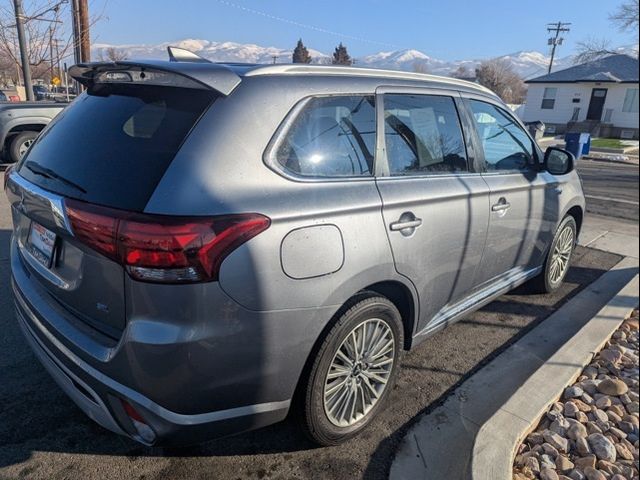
199	247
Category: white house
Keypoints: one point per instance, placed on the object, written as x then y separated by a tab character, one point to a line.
599	97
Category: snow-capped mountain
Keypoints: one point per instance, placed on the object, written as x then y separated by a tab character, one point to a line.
216	51
526	64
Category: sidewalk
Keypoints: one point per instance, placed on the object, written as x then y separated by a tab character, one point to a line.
472	435
610	235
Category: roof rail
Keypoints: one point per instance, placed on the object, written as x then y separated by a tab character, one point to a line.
177	54
299	69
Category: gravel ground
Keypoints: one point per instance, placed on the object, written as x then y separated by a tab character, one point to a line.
592	433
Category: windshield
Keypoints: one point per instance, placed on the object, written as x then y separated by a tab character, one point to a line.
112	145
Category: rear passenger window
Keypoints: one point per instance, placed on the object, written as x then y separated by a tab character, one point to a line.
423	135
331	137
506	145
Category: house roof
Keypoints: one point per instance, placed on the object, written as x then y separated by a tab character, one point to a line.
614	68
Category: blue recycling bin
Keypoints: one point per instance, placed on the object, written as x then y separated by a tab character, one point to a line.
578	143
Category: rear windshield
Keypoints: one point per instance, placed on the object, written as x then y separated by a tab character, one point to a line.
112	145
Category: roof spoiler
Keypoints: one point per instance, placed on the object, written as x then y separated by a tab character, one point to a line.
189	74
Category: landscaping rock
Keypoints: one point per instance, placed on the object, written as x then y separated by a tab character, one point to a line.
592	434
574	391
603	402
602	447
560	443
570	409
577	430
563	464
548	474
612	386
576	475
586	461
582	446
593	474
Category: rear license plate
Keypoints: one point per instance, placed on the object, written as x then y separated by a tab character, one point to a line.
41	243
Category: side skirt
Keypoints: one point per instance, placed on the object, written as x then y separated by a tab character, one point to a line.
452	313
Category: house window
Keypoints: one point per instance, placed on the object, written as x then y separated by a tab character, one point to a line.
549	98
630	104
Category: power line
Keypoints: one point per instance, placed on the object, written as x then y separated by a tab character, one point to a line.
556	40
305	25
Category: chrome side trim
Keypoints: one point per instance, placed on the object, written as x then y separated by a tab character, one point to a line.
168	415
56	202
454	312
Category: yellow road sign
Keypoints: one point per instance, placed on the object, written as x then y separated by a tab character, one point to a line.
55	81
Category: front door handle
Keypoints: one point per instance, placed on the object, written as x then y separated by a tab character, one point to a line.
395	226
501	206
406	224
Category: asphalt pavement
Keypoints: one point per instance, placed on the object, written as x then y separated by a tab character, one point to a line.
610	188
44	436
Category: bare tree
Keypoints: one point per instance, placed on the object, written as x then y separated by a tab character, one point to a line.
592	49
627	16
462	72
49	32
112	54
498	75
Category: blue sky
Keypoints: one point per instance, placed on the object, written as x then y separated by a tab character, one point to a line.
446	29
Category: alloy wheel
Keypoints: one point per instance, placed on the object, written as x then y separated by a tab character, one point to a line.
561	255
359	372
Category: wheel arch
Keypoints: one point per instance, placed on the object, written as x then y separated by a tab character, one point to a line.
578	215
397	292
20	128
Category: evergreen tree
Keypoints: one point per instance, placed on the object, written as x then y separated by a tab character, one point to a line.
301	54
340	56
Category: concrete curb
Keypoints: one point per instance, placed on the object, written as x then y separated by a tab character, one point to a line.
474	433
589	158
546	385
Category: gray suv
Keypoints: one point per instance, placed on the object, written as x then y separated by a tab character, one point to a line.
199	247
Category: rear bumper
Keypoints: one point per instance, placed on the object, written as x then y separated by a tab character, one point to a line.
100	397
194	368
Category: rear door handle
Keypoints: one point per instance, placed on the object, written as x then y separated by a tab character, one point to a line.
395	226
406	224
501	206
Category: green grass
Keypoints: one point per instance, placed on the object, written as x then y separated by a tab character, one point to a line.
607	143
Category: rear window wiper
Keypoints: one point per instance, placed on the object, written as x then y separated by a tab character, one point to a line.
48	173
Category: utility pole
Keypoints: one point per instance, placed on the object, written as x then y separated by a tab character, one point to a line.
556	40
51	54
75	19
24	49
85	39
275	59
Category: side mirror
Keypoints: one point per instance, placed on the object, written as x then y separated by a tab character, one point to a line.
558	161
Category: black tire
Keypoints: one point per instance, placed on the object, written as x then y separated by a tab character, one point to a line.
543	282
17	142
315	420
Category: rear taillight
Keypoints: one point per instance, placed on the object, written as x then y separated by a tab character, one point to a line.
159	248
